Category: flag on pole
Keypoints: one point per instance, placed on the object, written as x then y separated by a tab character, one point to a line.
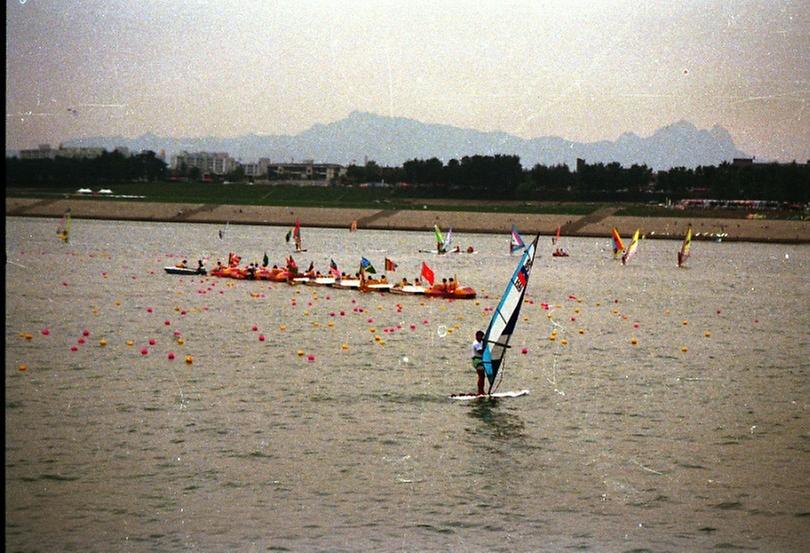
390	265
289	234
333	269
427	273
366	266
291	265
265	260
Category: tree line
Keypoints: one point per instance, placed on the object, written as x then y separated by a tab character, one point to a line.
478	176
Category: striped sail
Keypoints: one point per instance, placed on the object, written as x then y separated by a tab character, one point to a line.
505	317
618	245
631	250
516	242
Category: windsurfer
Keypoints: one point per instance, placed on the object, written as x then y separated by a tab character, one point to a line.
440	248
182	265
477	351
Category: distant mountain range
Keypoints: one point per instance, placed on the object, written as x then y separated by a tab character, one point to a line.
393	140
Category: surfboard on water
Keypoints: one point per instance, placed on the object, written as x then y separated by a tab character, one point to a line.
496	395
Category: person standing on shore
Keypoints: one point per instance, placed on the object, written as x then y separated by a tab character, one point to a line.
477	351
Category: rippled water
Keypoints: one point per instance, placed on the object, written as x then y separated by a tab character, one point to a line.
695	438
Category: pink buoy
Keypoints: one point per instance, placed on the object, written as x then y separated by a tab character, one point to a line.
171	356
144	351
80	340
148	309
167	322
152	341
254	328
45	331
636	325
176	333
413	326
85	332
310	357
370	320
524	351
261	337
74	348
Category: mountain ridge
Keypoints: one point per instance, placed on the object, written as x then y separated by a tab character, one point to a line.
391	141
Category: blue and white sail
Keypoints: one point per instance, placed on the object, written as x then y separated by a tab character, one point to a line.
505	317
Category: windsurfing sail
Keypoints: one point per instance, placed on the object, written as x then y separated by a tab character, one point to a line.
618	245
505	317
63	232
439	237
557	237
448	240
223	231
516	242
631	249
683	255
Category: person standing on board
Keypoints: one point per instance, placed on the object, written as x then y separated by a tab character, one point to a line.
477	351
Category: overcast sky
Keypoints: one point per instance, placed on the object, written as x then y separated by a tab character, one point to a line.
583	71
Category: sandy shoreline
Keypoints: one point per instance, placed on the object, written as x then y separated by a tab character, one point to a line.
597	224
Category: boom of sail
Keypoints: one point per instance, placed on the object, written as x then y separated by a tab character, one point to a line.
505	317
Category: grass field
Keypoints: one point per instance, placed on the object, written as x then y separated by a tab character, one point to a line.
357	197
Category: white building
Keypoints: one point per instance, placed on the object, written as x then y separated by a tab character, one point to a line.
216	163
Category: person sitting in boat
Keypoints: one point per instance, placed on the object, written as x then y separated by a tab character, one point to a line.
457	250
200	266
417	282
477	351
404	282
451	285
182	265
251	271
470	249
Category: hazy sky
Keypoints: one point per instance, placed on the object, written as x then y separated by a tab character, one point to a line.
584	71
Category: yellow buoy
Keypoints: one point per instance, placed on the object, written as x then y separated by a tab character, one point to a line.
331	323
564	341
189	359
130	343
684	349
582	331
685	322
282	328
707	334
372	330
633	341
22	367
180	341
300	353
102	342
552	337
344	346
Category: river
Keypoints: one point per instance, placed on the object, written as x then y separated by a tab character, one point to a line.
668	407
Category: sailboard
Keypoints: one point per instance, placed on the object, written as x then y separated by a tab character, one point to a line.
504	319
631	249
468	397
618	245
515	242
683	255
